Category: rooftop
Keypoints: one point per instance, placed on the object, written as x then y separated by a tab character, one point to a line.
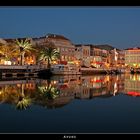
135	48
103	47
55	36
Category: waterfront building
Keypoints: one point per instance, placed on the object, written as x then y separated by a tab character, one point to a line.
64	46
121	59
96	54
88	55
116	58
82	54
102	55
132	57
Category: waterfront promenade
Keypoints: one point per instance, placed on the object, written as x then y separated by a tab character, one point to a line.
35	71
21	71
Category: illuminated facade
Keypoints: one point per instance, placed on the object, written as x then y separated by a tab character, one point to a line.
82	53
132	57
64	46
29	58
132	85
121	59
98	56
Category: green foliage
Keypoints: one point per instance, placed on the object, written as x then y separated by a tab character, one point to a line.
23	103
49	54
49	92
24	46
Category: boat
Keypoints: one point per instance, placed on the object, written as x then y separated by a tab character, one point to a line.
68	69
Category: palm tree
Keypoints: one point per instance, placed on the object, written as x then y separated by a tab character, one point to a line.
49	53
24	46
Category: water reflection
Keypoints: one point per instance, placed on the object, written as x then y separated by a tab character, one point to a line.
61	90
132	85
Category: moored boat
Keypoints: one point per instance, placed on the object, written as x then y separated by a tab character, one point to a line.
68	69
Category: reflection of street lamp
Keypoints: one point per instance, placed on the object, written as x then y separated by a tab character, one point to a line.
115	89
116	56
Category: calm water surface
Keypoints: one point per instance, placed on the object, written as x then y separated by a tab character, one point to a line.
71	104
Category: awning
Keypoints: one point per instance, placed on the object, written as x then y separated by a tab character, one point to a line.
132	93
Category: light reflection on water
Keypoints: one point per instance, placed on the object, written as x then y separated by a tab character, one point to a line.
75	100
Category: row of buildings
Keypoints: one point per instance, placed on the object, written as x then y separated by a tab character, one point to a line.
87	55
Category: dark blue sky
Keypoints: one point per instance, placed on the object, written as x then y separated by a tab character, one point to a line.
117	26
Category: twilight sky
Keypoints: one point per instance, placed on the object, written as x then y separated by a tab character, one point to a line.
117	26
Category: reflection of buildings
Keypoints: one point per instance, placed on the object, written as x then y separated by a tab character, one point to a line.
11	91
69	87
57	103
93	86
132	84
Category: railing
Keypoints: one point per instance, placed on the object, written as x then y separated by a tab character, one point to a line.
12	67
96	69
26	67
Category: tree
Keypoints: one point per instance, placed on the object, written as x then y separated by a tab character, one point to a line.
49	53
24	46
8	51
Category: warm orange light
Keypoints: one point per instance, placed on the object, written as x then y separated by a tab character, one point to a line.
54	82
54	62
7	62
18	85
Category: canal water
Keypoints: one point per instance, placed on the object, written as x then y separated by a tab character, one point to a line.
71	104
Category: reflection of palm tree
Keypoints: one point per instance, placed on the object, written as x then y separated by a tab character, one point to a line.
50	53
23	103
49	91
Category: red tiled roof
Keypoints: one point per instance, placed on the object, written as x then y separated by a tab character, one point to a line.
135	48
